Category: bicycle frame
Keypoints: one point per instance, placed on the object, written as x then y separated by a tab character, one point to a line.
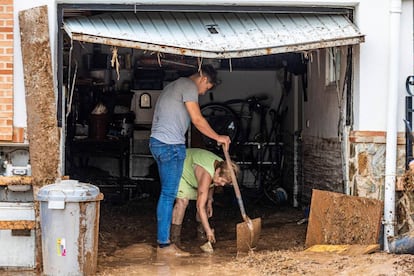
260	153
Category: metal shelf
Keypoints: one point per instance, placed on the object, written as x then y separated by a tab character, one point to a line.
259	143
140	159
142	155
258	163
142	178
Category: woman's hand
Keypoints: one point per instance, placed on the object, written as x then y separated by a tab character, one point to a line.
210	236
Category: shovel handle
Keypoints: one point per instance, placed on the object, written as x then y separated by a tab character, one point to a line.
235	184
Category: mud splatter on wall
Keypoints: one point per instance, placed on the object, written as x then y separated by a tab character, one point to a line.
322	166
42	128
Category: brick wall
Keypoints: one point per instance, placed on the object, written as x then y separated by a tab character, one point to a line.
6	70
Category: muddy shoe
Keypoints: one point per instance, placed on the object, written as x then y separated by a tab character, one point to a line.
175	234
171	251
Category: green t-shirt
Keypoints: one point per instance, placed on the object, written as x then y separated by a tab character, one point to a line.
195	156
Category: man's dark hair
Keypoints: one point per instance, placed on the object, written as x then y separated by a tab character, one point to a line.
208	71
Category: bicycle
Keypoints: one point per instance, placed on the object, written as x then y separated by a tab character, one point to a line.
259	151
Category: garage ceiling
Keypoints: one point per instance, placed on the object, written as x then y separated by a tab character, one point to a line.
215	35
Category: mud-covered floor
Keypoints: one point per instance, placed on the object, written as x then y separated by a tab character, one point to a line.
128	233
136	220
127	242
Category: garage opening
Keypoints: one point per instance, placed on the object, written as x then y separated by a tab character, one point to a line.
285	99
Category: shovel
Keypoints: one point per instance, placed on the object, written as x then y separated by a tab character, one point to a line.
248	232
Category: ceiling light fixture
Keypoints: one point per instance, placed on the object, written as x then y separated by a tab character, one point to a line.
212	28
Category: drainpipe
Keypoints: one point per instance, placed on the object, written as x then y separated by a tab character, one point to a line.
391	141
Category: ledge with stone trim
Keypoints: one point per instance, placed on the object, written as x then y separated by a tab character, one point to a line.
16	180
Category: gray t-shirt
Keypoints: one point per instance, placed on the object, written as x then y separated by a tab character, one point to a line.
171	119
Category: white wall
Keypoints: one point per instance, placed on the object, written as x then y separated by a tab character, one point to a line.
373	66
371	98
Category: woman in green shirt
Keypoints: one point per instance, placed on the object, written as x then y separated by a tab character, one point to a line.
203	170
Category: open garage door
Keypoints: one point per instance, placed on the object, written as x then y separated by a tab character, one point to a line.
215	35
248	41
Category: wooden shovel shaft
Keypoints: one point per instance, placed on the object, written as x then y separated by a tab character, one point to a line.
235	185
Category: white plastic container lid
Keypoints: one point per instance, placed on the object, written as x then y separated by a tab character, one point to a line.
68	191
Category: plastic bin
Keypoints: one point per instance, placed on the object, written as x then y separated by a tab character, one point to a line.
69	219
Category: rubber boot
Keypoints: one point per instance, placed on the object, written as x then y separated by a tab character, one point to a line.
175	234
201	234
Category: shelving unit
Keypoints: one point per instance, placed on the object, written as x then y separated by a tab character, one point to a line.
259	158
259	153
140	157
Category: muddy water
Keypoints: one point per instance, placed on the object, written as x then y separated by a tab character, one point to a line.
141	259
128	235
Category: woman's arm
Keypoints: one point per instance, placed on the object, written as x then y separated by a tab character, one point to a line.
204	182
210	201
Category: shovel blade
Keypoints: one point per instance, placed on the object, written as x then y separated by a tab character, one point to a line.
248	235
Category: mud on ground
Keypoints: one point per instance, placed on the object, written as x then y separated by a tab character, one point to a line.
127	244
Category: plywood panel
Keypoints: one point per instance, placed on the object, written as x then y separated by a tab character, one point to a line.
345	249
341	219
42	128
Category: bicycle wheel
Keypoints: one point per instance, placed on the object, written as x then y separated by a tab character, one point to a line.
222	119
274	192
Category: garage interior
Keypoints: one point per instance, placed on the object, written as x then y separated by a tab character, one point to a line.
114	144
285	106
266	92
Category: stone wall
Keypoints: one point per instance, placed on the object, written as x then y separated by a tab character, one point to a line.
320	165
367	163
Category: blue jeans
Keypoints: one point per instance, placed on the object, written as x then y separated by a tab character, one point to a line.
170	161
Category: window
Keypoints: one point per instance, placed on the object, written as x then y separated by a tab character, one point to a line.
333	66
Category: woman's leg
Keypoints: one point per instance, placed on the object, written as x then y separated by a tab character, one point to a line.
179	210
177	219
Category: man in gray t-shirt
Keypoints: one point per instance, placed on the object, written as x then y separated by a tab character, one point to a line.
171	119
176	107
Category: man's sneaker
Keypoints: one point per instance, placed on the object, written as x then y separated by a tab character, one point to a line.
171	251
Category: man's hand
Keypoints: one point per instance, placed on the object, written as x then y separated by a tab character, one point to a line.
224	140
